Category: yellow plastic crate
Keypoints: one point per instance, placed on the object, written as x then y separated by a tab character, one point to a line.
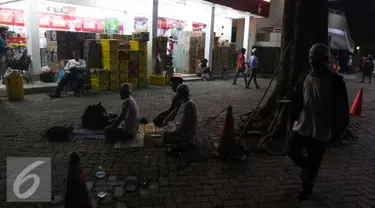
123	76
133	82
112	55
109	44
134	45
124	65
114	75
110	64
133	55
99	74
157	80
99	85
114	85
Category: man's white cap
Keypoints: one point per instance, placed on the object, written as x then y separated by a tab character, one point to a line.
126	88
254	50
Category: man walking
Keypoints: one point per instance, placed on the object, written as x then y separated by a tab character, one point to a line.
319	106
253	67
368	69
240	66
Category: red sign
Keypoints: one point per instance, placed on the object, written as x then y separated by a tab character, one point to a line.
258	7
199	25
6	16
18	18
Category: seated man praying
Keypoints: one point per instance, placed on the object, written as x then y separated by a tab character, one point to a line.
127	123
73	71
175	82
181	125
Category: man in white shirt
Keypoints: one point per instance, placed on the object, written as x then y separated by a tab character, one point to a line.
127	123
181	125
73	71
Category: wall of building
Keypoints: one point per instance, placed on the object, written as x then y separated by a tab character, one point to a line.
276	15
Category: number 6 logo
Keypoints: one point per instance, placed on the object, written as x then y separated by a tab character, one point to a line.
22	177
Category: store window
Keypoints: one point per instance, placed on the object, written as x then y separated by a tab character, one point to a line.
184	23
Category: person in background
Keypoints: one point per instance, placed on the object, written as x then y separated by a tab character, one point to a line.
319	107
73	71
175	82
368	69
203	70
254	66
126	125
241	66
180	126
3	51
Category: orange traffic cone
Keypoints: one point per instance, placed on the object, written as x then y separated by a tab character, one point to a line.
228	137
77	195
356	109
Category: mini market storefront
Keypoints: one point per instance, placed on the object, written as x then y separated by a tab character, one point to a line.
207	21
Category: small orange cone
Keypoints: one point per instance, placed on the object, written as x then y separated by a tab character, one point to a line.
228	137
77	195
356	109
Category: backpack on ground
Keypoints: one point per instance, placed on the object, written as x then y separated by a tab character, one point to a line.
95	117
58	133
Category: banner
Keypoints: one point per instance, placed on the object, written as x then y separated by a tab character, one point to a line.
111	25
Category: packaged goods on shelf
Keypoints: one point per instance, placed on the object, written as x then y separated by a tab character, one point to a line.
99	85
123	76
141	36
114	85
133	55
133	82
133	73
124	55
124	65
99	74
114	75
112	55
133	65
109	44
157	80
110	64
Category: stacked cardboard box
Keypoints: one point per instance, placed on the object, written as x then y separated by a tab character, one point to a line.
133	63
124	59
191	60
201	42
142	61
99	79
110	61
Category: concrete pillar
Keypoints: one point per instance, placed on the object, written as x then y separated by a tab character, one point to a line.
153	29
210	37
32	28
246	36
253	32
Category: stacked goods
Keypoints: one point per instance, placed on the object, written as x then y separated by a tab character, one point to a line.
201	42
191	60
216	62
91	53
57	48
99	79
141	36
110	61
76	41
124	60
133	63
142	61
160	47
224	57
232	56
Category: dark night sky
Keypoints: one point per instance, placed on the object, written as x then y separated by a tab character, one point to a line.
360	15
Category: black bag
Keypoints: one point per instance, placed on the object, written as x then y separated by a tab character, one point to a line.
95	117
58	133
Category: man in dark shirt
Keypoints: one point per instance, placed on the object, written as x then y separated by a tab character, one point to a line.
175	82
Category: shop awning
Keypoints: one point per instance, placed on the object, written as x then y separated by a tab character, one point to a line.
257	7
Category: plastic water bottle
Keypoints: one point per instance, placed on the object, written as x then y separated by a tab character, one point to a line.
100	183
